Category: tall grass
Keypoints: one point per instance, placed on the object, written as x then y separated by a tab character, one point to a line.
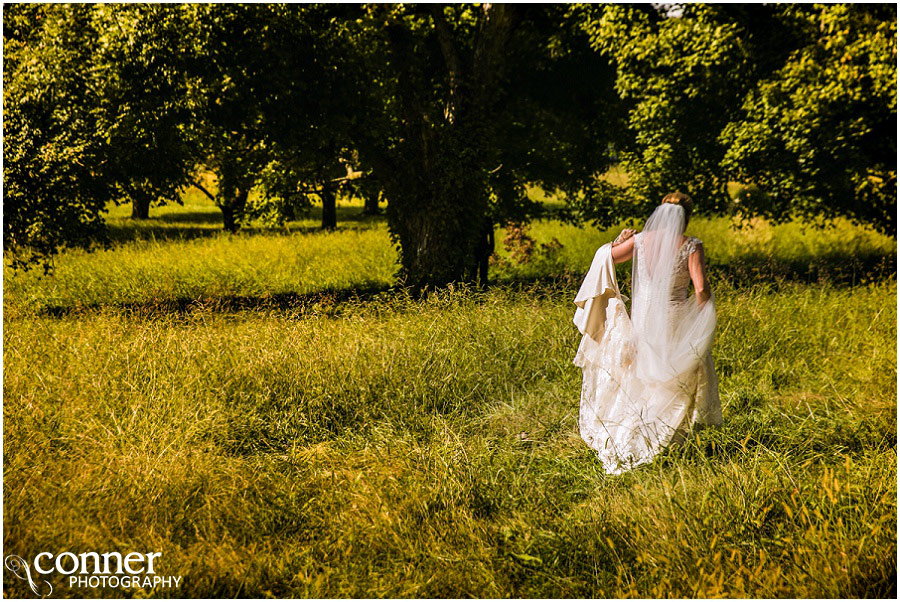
155	268
378	445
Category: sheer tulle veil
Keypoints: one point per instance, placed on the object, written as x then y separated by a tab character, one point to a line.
672	335
648	377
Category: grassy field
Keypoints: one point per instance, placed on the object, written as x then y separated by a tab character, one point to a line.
269	414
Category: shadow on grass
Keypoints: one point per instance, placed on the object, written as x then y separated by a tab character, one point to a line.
209	218
203	224
836	270
744	273
325	301
330	301
752	271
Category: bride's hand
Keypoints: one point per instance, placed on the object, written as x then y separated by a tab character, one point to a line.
623	236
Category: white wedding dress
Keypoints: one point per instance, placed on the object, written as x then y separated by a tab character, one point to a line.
648	377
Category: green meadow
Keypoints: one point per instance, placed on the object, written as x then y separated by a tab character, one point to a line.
277	420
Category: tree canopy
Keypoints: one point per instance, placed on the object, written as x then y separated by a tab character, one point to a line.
449	111
819	134
798	100
473	102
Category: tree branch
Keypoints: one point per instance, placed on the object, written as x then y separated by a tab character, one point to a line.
204	190
497	23
451	57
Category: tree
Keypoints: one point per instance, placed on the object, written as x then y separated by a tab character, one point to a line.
561	122
794	99
682	79
227	75
464	124
272	105
317	102
143	108
90	118
50	148
819	135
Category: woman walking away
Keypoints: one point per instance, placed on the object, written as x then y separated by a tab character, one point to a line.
648	378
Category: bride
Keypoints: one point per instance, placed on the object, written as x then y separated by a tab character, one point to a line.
648	377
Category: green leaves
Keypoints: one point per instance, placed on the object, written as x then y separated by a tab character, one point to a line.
678	78
819	135
797	101
93	114
452	113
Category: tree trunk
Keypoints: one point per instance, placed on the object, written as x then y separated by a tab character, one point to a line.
329	208
436	210
229	223
140	208
436	247
370	203
438	180
233	210
484	252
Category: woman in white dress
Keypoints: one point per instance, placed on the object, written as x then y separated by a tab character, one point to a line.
648	378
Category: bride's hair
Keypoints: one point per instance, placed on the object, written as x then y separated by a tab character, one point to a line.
679	198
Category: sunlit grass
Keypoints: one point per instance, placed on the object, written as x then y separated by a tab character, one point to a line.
206	262
374	445
154	271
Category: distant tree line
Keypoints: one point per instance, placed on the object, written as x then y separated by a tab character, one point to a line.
446	112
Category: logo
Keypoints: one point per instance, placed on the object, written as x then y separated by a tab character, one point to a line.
91	569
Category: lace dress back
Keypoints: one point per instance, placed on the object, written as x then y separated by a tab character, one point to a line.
681	277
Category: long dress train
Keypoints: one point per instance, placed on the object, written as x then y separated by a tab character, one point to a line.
633	406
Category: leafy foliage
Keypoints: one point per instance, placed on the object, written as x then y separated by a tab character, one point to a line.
273	100
140	63
56	177
799	101
451	112
93	113
819	135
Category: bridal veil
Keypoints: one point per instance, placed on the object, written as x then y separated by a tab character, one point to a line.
649	376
